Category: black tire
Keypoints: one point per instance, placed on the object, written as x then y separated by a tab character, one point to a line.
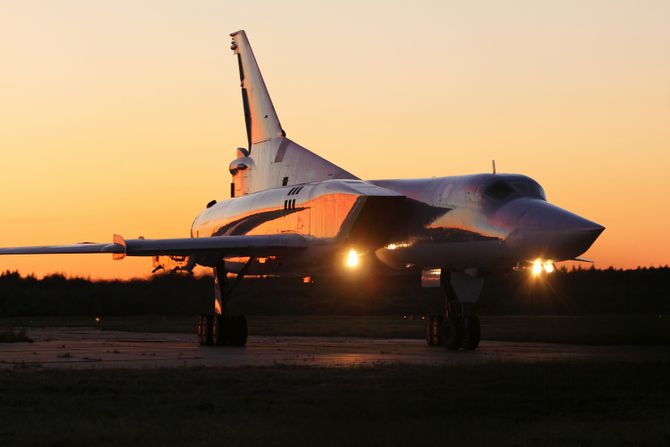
205	330
238	333
471	333
437	333
201	330
452	333
219	331
433	332
430	327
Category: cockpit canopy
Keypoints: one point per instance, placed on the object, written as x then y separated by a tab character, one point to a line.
507	186
504	188
484	190
499	190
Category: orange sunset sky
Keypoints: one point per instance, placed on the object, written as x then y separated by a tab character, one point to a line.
122	116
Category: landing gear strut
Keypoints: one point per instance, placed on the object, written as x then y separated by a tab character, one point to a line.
223	328
458	327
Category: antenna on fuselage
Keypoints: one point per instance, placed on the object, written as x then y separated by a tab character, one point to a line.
493	162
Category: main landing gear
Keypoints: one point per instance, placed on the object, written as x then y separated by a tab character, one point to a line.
222	328
458	327
217	330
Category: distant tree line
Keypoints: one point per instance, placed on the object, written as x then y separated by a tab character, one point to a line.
565	292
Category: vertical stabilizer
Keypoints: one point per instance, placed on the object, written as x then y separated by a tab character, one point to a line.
259	113
271	160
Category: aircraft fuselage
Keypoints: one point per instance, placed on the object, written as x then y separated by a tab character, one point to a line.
484	222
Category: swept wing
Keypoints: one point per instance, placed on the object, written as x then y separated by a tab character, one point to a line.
261	245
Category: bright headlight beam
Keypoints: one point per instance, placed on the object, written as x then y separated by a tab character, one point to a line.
352	259
549	267
540	266
537	267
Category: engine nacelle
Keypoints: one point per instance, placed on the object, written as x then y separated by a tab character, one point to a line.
241	169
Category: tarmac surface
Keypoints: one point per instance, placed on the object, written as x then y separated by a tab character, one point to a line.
92	348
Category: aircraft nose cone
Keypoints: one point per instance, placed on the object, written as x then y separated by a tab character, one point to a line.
547	231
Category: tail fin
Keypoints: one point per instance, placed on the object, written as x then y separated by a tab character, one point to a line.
272	160
259	113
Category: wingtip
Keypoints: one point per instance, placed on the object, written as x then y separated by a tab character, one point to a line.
119	242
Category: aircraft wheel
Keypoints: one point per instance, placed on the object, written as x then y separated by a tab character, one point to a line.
219	332
452	333
471	332
429	331
200	330
433	333
238	330
205	323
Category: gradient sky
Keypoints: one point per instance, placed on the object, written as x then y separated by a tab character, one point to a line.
122	116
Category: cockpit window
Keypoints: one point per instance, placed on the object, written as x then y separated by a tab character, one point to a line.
529	188
499	190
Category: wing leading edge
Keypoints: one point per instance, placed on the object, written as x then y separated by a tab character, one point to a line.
261	245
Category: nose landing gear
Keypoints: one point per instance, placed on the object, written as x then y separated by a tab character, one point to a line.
453	332
458	327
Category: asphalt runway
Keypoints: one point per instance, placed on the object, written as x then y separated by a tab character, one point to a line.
91	348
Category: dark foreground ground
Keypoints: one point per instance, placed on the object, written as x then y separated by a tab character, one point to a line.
651	329
600	399
506	404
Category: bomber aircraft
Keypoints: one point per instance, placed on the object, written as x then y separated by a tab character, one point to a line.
293	213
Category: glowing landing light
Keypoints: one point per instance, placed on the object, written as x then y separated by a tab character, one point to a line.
540	266
352	259
549	267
